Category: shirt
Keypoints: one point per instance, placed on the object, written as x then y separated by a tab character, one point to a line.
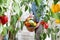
34	8
38	30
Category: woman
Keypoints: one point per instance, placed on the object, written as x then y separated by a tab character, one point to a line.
38	29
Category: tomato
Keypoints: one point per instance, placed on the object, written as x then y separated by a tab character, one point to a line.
4	19
0	21
46	25
0	18
27	24
42	22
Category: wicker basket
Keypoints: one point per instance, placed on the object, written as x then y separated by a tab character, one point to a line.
30	29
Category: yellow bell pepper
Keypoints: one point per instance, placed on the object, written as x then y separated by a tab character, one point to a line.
57	21
35	24
55	8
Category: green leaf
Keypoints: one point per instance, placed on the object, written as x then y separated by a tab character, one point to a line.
29	0
51	13
56	15
0	10
16	7
38	15
22	24
53	30
4	9
8	3
10	28
57	30
22	3
20	13
55	1
46	19
26	7
41	37
29	9
17	29
53	36
44	36
4	1
1	1
14	19
37	2
48	32
4	32
48	35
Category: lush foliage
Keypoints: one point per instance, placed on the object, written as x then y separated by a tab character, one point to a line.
16	6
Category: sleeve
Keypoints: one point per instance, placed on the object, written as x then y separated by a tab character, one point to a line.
33	9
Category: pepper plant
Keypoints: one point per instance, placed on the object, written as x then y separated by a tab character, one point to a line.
17	9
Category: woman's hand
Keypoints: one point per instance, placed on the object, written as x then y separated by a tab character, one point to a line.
31	16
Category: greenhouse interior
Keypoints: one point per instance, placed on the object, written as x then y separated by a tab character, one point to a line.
29	19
